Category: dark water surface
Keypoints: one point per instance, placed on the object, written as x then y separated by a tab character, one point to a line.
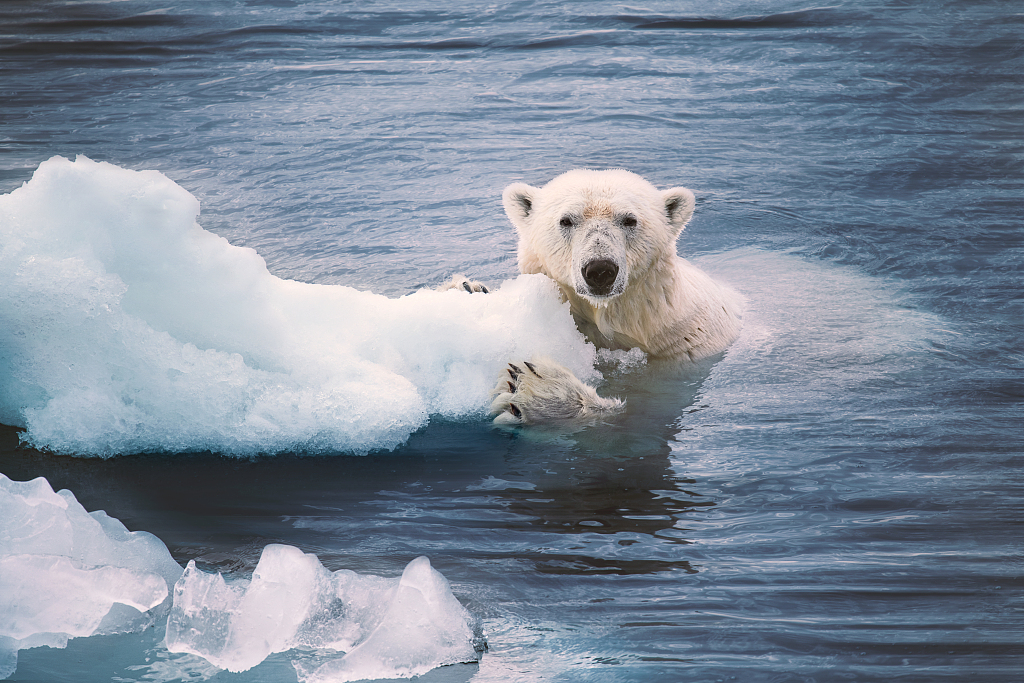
839	498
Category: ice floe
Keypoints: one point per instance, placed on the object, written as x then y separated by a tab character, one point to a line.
126	327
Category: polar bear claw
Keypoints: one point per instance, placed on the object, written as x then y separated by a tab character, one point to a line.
460	281
541	390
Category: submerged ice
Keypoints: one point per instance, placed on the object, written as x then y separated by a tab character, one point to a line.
386	628
67	573
126	327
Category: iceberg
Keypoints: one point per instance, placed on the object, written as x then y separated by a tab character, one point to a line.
386	628
125	327
67	573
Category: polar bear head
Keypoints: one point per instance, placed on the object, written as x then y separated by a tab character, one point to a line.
596	232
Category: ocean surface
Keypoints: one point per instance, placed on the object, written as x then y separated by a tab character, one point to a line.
839	497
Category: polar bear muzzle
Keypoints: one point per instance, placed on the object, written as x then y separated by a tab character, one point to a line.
600	266
600	275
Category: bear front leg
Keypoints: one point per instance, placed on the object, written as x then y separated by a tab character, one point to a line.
460	281
544	391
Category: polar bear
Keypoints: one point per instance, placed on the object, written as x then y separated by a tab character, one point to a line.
608	239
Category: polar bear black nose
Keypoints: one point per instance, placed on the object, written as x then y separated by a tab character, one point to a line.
600	275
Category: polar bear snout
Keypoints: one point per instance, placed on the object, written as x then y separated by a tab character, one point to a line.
600	265
600	276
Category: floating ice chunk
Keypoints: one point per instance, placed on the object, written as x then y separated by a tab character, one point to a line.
235	627
125	327
424	627
390	627
66	573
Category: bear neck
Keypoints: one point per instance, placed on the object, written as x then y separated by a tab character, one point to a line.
639	317
673	310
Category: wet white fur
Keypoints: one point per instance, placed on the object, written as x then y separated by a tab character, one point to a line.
666	306
546	392
659	302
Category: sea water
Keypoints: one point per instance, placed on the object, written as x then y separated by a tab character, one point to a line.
217	287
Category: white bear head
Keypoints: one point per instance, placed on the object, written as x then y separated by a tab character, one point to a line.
595	232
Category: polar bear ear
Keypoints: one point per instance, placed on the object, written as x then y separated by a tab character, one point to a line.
679	203
518	201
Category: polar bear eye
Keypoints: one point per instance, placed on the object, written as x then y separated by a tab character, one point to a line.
566	222
629	222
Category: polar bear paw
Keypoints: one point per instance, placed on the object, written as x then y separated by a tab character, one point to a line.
460	281
544	391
